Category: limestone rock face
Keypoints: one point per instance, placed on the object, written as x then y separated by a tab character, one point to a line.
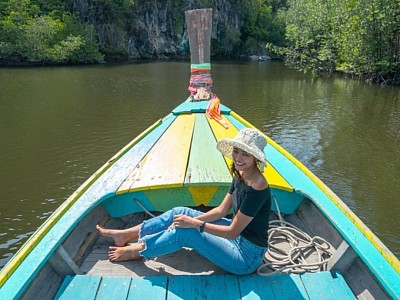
156	29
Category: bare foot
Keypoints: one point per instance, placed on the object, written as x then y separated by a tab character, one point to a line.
119	237
130	252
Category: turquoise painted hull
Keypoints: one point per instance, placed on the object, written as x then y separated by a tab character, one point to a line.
104	187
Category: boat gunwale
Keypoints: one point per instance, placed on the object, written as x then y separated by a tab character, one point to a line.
394	262
348	213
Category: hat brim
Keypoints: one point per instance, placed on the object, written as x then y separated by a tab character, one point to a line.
225	146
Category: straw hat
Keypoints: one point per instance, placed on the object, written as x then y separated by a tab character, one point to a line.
249	140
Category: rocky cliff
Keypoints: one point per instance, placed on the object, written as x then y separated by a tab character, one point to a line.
133	29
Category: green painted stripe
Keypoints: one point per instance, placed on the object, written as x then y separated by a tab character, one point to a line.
201	66
206	164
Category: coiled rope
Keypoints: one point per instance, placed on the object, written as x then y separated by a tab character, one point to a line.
305	253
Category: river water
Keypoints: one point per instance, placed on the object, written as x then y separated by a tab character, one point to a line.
59	125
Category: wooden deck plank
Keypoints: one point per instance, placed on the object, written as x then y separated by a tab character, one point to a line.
165	164
206	164
196	107
182	262
203	287
140	150
287	286
113	288
255	287
82	287
323	285
148	288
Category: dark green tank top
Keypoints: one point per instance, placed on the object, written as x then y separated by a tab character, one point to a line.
252	203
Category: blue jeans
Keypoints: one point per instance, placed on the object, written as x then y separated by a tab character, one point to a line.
238	256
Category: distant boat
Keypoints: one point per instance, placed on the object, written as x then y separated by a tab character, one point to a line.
260	57
66	259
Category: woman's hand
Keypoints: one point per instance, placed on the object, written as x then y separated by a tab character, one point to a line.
183	221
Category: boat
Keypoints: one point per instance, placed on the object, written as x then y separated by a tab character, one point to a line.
67	259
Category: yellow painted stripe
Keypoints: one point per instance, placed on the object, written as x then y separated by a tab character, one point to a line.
165	164
202	194
23	252
220	132
275	179
386	253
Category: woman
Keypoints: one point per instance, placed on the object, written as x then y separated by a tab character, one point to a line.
236	245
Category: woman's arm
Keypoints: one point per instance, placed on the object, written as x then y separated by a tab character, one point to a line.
239	222
217	212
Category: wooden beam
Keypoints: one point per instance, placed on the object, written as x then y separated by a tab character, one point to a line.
63	264
342	259
199	25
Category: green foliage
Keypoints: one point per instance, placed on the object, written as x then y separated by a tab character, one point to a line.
29	36
260	26
359	38
45	32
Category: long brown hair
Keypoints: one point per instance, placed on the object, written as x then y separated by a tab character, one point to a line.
235	172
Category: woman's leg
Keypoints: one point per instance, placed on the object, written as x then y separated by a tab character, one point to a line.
120	237
157	224
237	256
164	221
130	252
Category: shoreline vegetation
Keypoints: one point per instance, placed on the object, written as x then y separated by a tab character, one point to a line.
357	40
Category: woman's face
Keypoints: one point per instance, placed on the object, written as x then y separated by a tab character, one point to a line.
242	159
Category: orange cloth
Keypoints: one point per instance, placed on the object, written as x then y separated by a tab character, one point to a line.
214	111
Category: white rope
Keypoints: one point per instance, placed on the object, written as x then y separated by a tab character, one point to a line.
303	253
144	208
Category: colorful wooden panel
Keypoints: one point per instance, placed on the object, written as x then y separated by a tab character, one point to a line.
202	195
323	285
220	132
255	287
147	288
121	205
203	287
196	107
206	164
165	164
113	288
165	199
80	287
138	152
287	286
